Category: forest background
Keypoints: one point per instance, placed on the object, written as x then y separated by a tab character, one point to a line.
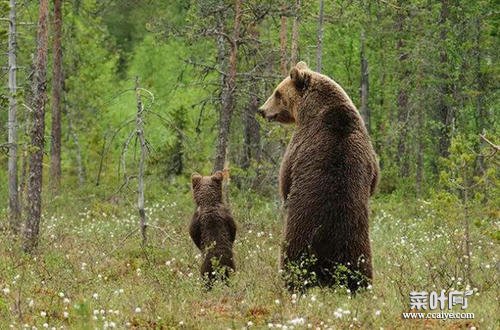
110	106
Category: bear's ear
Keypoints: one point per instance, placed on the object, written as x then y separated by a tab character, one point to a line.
218	176
195	179
300	75
302	65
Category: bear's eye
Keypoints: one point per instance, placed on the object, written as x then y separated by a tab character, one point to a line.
277	94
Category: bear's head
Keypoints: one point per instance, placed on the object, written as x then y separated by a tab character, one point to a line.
282	106
207	190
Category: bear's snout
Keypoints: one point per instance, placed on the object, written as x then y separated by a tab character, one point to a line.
261	112
266	115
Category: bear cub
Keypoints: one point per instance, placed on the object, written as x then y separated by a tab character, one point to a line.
212	227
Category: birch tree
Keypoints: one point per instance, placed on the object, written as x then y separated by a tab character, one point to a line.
14	208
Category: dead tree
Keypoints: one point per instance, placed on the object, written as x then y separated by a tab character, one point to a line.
138	133
57	86
139	122
14	207
228	94
319	49
34	209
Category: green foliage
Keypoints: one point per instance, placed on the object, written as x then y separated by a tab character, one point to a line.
298	275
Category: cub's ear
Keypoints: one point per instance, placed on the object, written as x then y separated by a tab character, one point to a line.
218	176
302	65
300	76
195	179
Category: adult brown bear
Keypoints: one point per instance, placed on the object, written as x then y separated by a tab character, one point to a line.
327	175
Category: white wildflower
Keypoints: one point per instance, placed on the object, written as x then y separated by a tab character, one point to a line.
297	321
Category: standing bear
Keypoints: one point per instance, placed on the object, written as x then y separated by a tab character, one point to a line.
328	173
212	227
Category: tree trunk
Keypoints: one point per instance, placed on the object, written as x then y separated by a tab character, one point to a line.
34	197
283	34
23	187
402	98
228	101
467	238
420	132
319	50
140	177
251	137
14	207
70	113
419	175
251	143
445	111
76	140
480	115
57	84
364	90
177	158
295	34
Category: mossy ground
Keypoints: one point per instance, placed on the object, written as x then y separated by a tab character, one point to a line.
90	270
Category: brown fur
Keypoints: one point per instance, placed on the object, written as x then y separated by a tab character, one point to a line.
212	228
327	175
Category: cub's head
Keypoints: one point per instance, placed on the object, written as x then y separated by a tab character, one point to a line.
283	104
207	190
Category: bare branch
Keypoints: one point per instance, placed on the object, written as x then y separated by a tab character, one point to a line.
205	66
494	146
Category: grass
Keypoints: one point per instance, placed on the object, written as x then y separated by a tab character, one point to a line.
91	272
